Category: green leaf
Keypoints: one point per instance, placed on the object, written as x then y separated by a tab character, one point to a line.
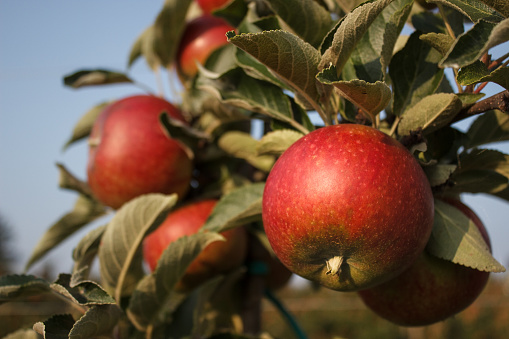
484	159
243	145
439	41
238	207
414	73
475	10
238	89
16	286
120	256
372	55
276	142
478	72
82	129
456	238
305	18
85	211
288	56
93	77
372	98
143	46
430	114
86	293
492	126
501	6
479	181
471	45
84	253
350	31
439	174
97	321
155	292
168	28
57	327
468	99
217	305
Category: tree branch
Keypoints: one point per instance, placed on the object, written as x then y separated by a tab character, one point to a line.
498	101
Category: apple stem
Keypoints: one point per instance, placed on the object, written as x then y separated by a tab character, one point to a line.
334	265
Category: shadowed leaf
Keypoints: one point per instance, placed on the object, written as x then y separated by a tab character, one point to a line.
85	211
155	292
120	255
492	126
456	238
82	129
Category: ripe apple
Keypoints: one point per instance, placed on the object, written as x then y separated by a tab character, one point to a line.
431	290
208	6
348	207
201	37
130	154
217	258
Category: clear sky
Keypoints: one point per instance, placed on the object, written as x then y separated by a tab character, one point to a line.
40	42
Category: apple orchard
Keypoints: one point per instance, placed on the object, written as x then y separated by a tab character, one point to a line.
306	137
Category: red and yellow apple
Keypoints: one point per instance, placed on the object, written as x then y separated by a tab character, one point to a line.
201	37
348	207
432	289
217	258
130	154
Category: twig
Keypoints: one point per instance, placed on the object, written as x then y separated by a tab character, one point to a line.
498	101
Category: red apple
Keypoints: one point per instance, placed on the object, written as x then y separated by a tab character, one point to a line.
217	258
131	155
348	207
201	37
431	290
208	6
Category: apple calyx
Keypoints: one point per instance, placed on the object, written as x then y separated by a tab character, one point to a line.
334	265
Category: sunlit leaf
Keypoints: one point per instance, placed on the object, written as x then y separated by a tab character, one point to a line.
478	72
492	126
95	77
243	145
236	208
276	142
439	41
414	73
22	334
85	211
431	113
155	292
471	45
456	238
120	255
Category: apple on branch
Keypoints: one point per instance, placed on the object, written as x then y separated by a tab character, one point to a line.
217	258
130	154
348	207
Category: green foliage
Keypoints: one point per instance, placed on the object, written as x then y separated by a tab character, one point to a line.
287	63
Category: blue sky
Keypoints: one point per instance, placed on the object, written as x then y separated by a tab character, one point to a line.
40	42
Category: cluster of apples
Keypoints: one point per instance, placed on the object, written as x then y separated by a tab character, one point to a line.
349	207
130	154
346	206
